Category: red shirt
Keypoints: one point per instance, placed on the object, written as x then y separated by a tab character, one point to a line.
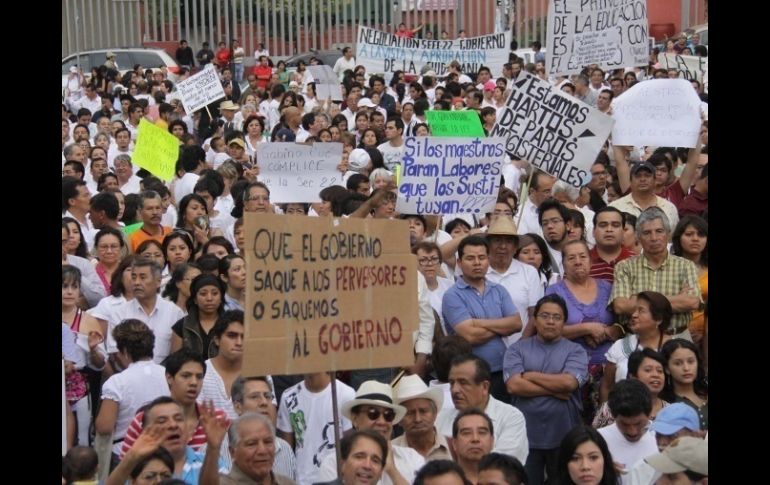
673	193
694	204
601	269
197	439
406	33
263	74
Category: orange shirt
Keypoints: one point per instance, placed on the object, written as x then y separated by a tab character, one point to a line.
140	236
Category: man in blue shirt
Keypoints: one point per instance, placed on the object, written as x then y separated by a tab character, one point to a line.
480	311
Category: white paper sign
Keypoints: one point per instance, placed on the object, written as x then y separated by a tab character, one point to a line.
384	53
610	34
450	175
201	89
658	112
327	84
556	132
297	173
688	67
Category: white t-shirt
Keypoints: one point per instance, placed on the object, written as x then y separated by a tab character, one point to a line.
185	186
309	416
625	452
523	284
407	460
391	155
437	295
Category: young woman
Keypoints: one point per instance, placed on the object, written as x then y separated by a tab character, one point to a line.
649	324
255	134
585	459
534	251
690	241
177	289
204	307
283	75
369	139
152	249
686	378
77	244
232	271
647	366
178	249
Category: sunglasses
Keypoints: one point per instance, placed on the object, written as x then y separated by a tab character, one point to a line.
374	414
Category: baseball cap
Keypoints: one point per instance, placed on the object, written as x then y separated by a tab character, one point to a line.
237	141
673	418
489	85
642	166
358	160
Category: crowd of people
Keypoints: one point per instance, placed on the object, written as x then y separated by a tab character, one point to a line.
563	335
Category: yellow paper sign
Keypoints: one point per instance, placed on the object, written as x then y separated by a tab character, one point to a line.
328	295
156	151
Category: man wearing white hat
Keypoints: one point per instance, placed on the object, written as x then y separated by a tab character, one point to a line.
228	109
373	408
685	461
422	405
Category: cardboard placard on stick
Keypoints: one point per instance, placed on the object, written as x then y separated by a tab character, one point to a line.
156	150
328	294
201	89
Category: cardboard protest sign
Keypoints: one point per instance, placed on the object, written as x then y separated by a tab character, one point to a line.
321	294
297	173
156	150
556	132
450	175
659	112
583	32
688	67
201	89
455	123
384	53
326	83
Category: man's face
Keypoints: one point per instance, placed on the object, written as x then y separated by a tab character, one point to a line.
515	69
391	132
608	231
136	114
448	478
364	463
69	171
90	93
674	479
227	75
466	393
663	440
378	87
257	398
662	174
187	383
362	420
170	417
259	201
231	342
255	452
483	77
632	428
598	178
643	181
474	439
543	192
603	101
253	82
617	88
597	77
474	263
78	154
152	211
378	122
83	200
654	238
208	198
420	416
554	227
549	322
501	249
144	283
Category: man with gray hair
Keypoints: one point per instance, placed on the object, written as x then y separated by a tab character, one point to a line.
583	92
158	313
127	179
252	446
655	269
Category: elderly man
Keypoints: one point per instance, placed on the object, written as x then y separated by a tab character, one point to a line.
422	405
480	311
469	380
521	280
539	191
255	395
151	211
656	269
373	409
252	445
685	461
472	438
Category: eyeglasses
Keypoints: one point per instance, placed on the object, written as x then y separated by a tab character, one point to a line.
552	222
109	247
374	414
267	395
154	475
429	261
554	317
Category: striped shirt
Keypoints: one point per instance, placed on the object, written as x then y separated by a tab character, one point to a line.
635	275
193	462
603	270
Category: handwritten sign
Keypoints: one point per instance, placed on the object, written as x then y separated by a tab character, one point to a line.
200	90
327	85
321	292
659	112
156	150
455	123
688	67
450	175
610	34
384	53
296	172
556	132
